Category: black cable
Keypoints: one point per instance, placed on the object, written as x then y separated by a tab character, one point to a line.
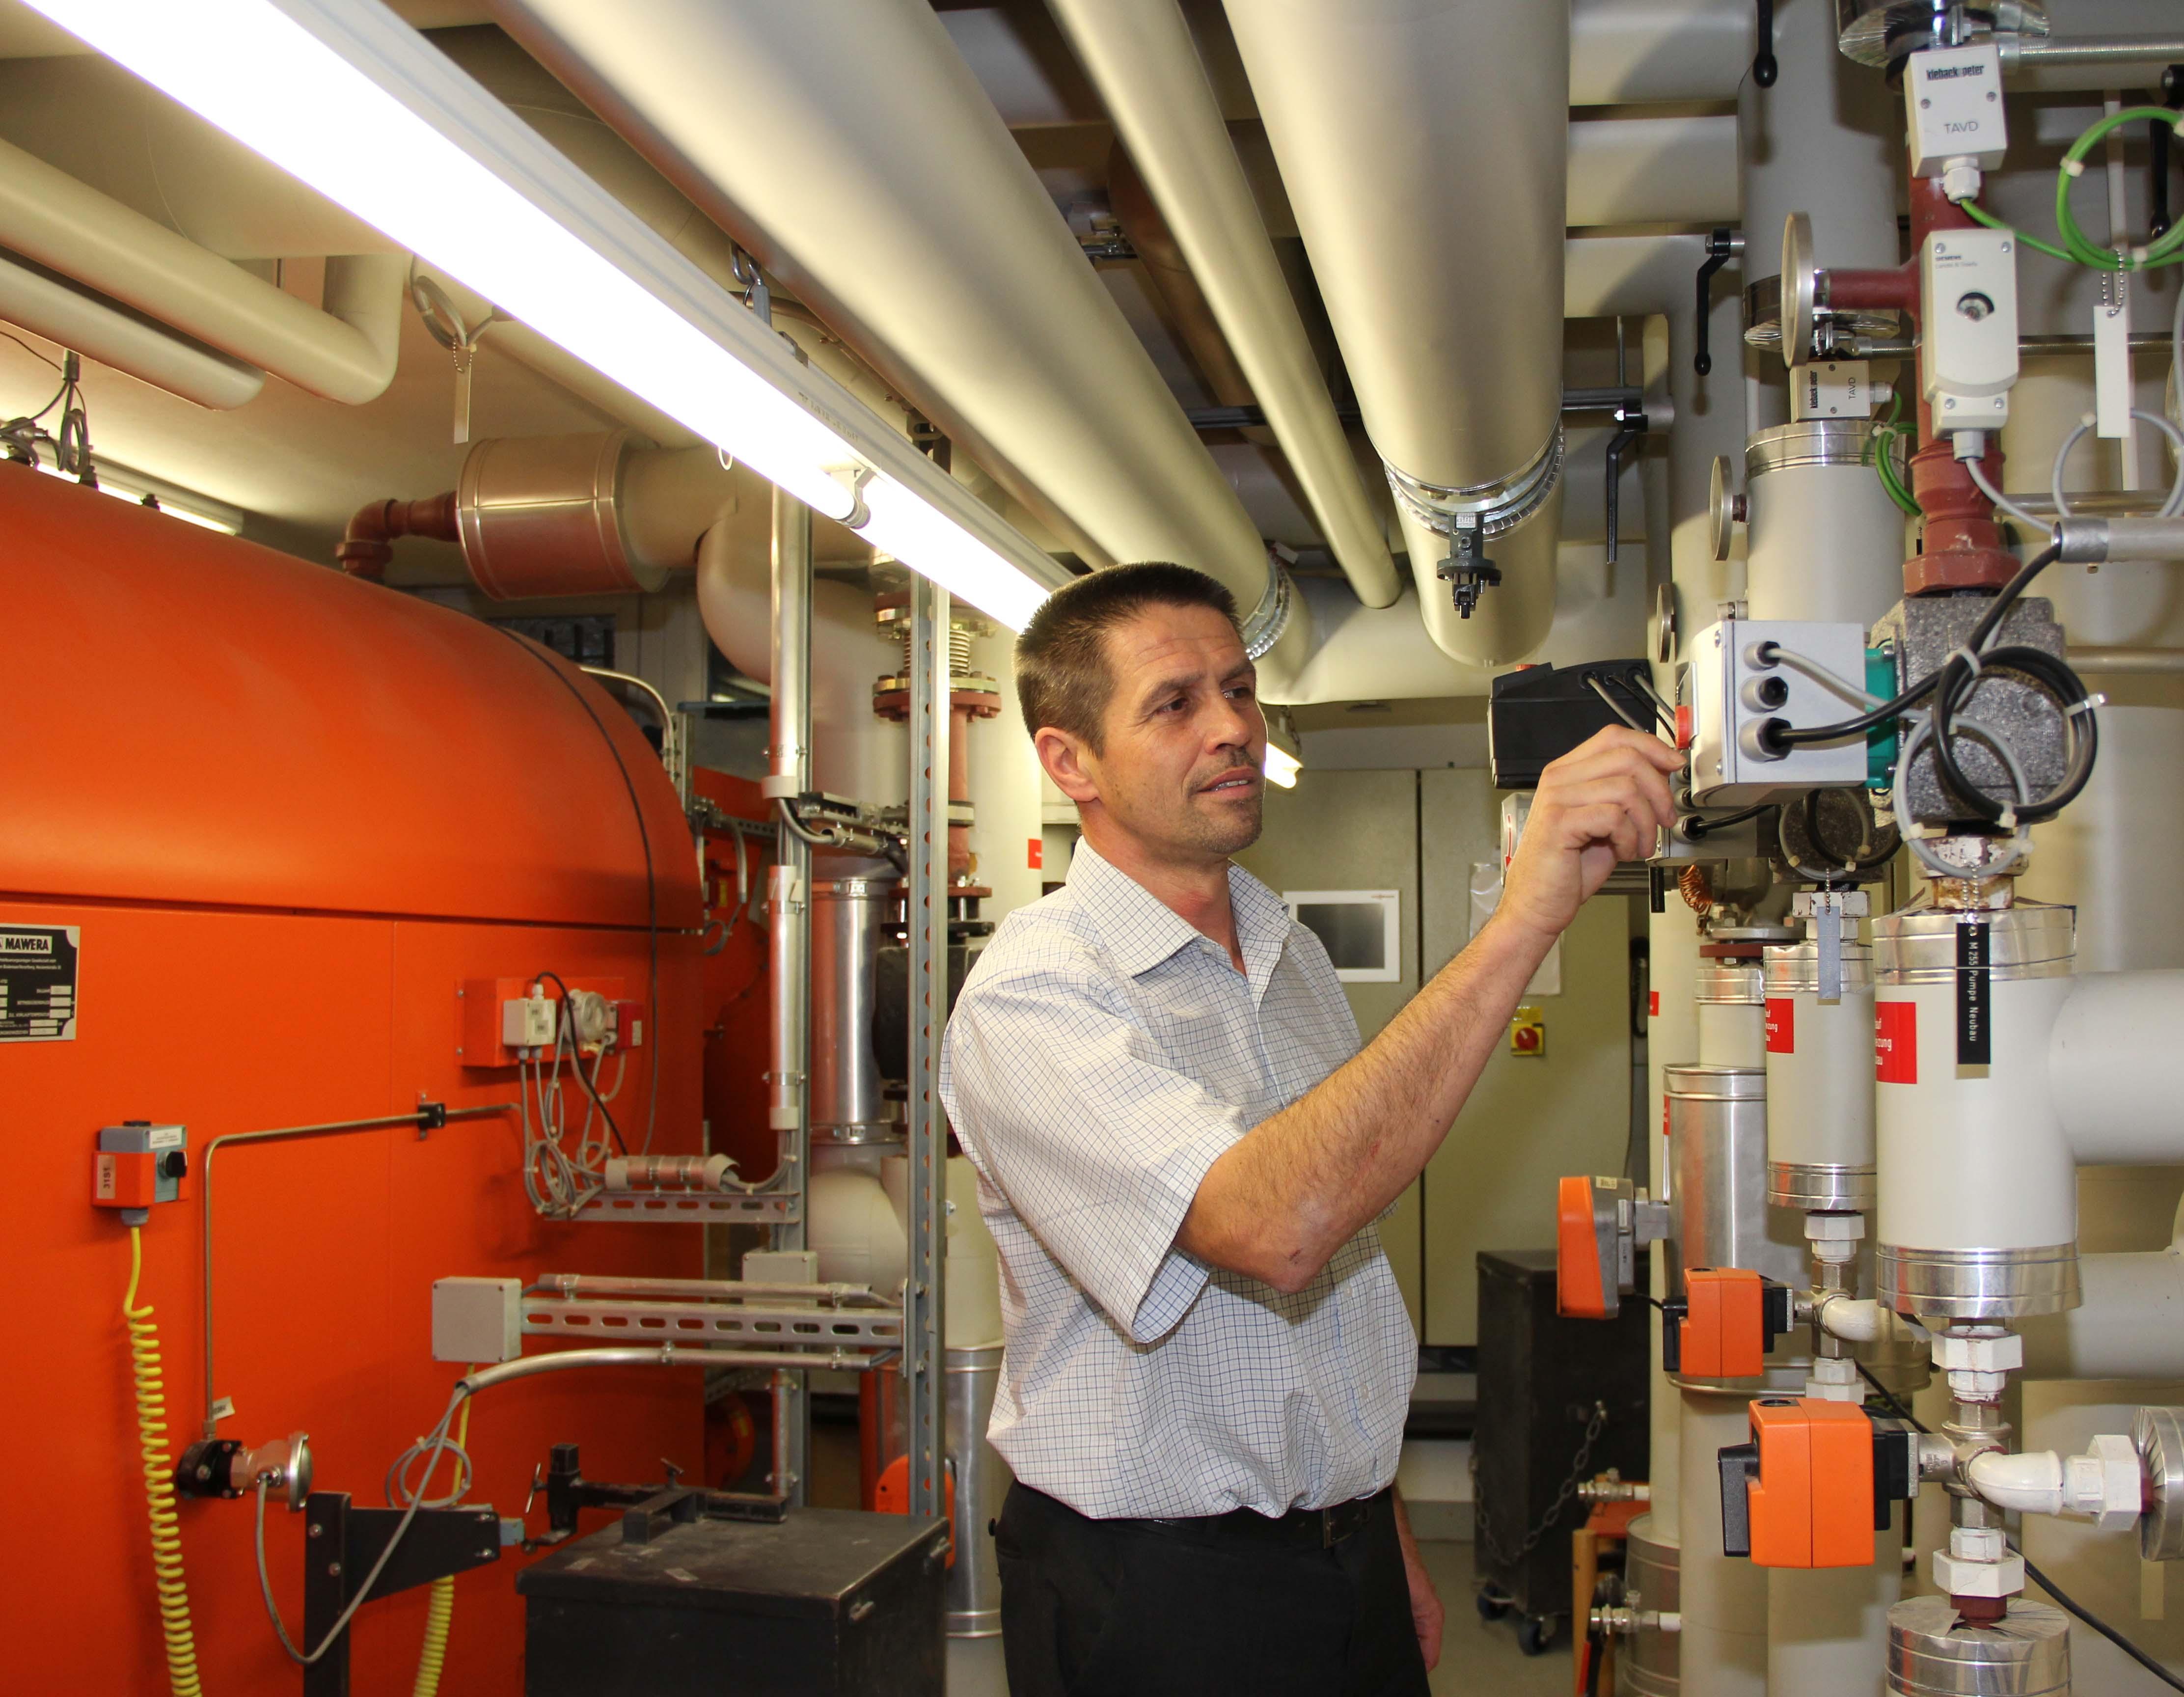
35	355
1888	1396
1695	827
545	658
2032	1573
2098	1625
1960	679
591	1089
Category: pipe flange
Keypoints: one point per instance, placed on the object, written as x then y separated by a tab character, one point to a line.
1494	507
1263	626
2157	1434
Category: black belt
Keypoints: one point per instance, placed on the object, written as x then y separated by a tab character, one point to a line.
1306	1528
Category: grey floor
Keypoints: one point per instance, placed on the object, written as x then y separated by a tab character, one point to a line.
1476	1658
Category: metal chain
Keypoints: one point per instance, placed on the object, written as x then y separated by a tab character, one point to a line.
1582	1459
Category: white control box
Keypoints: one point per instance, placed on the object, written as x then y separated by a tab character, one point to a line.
477	1320
528	1022
1834	388
1952	100
1968	346
1740	689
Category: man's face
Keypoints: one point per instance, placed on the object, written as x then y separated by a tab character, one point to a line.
1184	738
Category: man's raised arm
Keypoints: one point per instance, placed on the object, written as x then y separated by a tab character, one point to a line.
1279	1204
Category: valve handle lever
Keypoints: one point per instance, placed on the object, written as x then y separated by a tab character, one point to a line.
1764	67
1721	244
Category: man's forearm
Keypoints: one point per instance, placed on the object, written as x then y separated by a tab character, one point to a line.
1308	1179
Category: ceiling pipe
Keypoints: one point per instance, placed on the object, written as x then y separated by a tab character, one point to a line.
1146	229
851	150
346	352
1422	145
33	300
1623	52
1142	58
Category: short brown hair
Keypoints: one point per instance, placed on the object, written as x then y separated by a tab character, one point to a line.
1063	679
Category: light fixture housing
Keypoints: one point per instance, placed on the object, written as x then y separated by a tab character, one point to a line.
346	97
142	488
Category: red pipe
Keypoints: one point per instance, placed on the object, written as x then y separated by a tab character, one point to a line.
1962	548
366	550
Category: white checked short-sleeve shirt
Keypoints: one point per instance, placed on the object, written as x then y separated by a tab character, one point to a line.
1103	1053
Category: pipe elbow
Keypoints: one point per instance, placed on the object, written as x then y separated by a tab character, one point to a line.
2032	1483
366	547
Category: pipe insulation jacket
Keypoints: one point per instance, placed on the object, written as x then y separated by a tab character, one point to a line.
346	352
115	337
1456	114
1141	55
2130	1323
1627	51
2116	1071
849	148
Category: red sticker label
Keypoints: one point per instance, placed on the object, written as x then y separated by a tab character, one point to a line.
1653	1004
1781	1026
1035	855
1895	1043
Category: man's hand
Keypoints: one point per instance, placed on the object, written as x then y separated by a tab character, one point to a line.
1425	1601
1600	803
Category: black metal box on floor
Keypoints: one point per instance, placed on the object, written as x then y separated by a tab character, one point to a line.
826	1604
1541	1378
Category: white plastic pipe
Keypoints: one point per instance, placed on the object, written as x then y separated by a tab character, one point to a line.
1422	144
2116	1068
346	353
1722	1598
1146	64
2031	1481
2129	1325
48	308
852	150
1623	51
1827	1627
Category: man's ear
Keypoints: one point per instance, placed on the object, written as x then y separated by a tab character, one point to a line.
1065	760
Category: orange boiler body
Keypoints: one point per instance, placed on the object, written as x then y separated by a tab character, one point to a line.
290	813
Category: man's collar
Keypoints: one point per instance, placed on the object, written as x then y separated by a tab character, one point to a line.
1140	930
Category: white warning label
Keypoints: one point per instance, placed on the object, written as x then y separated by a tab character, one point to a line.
37	983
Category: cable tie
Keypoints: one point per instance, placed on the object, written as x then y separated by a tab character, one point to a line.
2086	705
2074	167
1972	659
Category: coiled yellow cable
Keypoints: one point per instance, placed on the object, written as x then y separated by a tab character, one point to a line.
440	1610
158	1483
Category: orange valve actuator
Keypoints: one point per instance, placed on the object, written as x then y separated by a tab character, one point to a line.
1727	1322
1802	1493
1599	1225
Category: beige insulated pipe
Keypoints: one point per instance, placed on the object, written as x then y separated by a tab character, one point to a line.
1423	143
1146	64
847	144
345	354
98	330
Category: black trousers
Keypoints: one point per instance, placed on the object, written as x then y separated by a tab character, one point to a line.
1195	1608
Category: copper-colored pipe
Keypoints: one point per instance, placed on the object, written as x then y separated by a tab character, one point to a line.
366	548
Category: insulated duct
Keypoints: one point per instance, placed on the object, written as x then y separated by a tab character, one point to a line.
1142	56
346	352
850	149
1422	145
115	337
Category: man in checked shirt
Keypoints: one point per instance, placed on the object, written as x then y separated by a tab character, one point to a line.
1184	1152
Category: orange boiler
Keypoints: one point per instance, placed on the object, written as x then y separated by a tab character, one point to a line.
286	815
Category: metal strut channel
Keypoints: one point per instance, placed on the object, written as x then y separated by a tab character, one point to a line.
926	916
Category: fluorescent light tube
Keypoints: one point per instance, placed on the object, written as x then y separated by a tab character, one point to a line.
125	485
346	97
1282	766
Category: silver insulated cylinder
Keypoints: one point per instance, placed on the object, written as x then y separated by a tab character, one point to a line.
1812	498
1648	1667
1977	1217
2025	1654
1718	1209
982	1480
849	927
1819	1082
1732	994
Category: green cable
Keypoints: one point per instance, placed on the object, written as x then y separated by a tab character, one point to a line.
1882	446
2066	224
1982	215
